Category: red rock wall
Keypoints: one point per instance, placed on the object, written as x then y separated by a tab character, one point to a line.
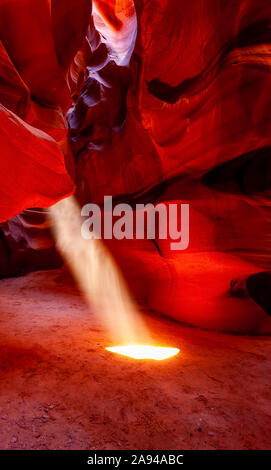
187	121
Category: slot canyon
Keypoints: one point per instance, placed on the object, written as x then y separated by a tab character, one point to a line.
151	102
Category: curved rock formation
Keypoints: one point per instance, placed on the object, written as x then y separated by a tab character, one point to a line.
186	120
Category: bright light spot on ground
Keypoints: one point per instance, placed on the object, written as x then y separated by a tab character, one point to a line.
145	352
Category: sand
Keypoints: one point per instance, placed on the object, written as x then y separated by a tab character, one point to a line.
60	388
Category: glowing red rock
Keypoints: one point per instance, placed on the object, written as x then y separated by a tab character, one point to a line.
188	120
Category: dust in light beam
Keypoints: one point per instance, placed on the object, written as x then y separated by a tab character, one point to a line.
103	285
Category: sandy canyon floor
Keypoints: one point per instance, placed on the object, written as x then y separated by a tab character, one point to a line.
60	388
